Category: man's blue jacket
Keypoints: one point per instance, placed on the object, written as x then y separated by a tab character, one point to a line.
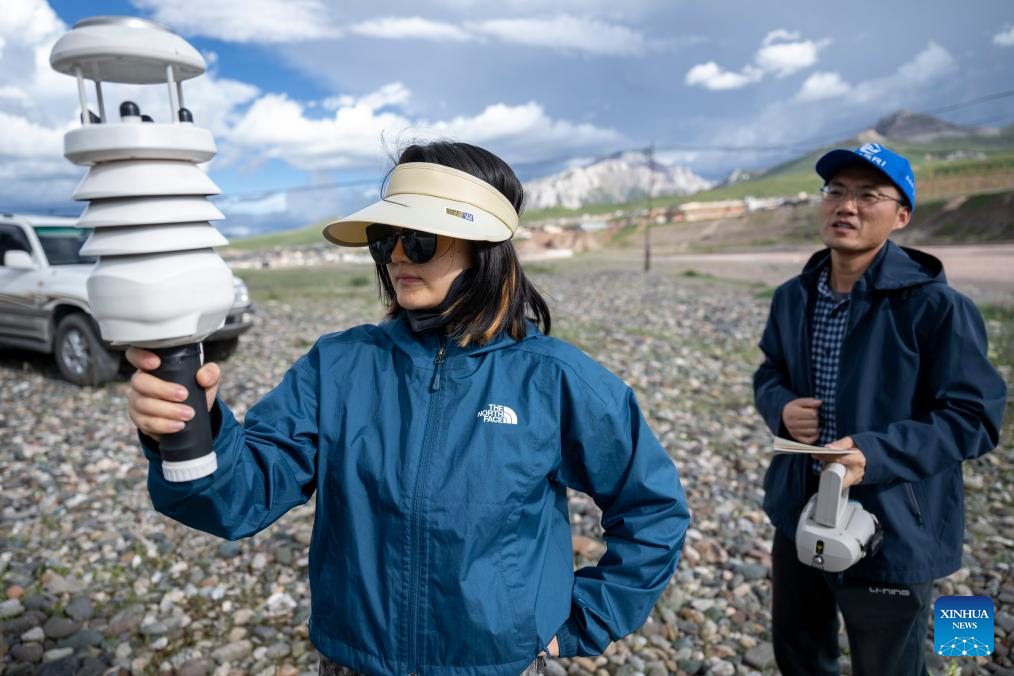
441	541
916	393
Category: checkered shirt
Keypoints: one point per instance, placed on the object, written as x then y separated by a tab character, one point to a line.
830	318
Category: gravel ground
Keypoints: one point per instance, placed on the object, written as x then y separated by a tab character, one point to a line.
93	581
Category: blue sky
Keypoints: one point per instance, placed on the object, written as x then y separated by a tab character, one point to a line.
303	92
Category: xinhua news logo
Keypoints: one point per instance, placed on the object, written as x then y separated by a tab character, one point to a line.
963	626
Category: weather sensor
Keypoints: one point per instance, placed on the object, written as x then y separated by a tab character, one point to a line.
158	282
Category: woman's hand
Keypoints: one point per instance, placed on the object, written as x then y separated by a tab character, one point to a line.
553	647
154	404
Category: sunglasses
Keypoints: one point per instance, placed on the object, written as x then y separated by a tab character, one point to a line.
419	247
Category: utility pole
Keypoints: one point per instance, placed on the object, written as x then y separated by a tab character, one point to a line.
649	153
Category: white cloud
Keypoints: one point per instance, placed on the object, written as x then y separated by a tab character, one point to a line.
782	57
38	105
269	204
820	86
1005	38
567	32
930	65
781	53
562	32
290	21
390	94
710	76
400	28
779	34
354	136
260	21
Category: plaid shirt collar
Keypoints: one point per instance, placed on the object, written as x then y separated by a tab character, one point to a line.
824	288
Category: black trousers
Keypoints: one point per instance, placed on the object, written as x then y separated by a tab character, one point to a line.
331	668
886	623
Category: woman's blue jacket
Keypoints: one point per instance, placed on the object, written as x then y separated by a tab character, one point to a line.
441	541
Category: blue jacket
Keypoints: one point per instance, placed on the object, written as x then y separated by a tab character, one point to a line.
441	542
915	392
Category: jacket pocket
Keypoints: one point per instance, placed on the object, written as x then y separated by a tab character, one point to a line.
914	501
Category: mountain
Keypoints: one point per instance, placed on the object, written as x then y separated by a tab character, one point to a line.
618	178
919	128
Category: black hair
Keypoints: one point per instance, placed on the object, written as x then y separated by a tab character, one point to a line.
497	296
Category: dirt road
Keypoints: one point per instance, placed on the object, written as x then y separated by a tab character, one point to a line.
984	272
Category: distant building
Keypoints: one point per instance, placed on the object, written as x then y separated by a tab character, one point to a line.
709	211
762	203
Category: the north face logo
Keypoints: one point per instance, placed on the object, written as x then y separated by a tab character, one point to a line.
495	413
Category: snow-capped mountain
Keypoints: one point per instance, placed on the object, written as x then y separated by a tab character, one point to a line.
614	179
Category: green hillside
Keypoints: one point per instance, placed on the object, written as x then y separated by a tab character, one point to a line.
305	236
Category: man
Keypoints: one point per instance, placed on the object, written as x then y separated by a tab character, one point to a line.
869	349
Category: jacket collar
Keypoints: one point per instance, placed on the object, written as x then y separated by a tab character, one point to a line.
423	347
894	267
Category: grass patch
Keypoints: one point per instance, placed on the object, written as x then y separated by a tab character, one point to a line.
317	283
1000	327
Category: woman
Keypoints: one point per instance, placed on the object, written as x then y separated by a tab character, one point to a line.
440	444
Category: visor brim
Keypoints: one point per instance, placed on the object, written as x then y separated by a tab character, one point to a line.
419	212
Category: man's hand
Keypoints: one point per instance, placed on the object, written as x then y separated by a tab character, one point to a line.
854	462
802	420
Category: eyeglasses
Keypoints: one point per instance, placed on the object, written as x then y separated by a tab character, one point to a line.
864	197
419	246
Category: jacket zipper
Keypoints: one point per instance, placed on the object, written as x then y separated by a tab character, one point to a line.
915	502
438	365
416	520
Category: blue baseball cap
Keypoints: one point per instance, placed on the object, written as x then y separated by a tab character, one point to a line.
895	167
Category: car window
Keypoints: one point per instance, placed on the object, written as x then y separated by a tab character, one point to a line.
63	245
12	238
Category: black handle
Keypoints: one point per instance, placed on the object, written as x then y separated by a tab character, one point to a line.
180	365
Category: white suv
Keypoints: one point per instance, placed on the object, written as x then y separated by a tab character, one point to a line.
44	302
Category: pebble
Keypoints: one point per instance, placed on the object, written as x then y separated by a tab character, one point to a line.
27	652
195	667
60	627
11	608
232	652
34	634
80	609
761	656
56	654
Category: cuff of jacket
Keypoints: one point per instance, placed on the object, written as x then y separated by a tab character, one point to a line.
566	639
867	442
773	417
149	445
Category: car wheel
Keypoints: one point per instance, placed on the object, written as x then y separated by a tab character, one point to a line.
220	350
80	355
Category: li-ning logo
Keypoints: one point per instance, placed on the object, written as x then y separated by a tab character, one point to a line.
495	413
460	214
890	591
